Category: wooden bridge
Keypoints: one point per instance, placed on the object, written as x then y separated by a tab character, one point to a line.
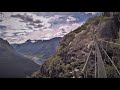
99	65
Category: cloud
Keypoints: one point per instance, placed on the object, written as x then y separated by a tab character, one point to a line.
93	13
71	19
22	26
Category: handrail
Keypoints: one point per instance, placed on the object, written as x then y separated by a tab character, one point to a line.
111	60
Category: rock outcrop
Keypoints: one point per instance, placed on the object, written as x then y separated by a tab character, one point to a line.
75	46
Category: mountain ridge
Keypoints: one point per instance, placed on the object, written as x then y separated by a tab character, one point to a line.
41	49
12	64
75	46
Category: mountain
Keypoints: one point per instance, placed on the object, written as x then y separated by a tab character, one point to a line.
12	64
41	49
75	46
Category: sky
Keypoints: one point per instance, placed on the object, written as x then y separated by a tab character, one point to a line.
18	27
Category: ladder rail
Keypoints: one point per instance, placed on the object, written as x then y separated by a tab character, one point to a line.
84	67
111	61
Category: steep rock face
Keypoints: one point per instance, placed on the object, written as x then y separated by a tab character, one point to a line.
111	14
75	46
108	30
13	65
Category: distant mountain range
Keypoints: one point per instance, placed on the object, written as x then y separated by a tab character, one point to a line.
12	64
17	27
41	49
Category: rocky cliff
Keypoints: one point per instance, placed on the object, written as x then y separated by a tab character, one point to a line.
75	46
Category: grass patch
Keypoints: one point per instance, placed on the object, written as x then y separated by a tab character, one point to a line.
111	72
53	59
118	39
39	56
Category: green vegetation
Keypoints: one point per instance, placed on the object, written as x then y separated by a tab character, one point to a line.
53	60
118	39
39	55
79	29
68	67
111	72
61	64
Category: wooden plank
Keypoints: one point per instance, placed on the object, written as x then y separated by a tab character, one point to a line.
100	63
95	65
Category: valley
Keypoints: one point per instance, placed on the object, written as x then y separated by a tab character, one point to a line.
35	59
60	45
38	51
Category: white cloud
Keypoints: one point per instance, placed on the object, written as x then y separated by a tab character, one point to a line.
92	12
13	23
70	19
52	24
